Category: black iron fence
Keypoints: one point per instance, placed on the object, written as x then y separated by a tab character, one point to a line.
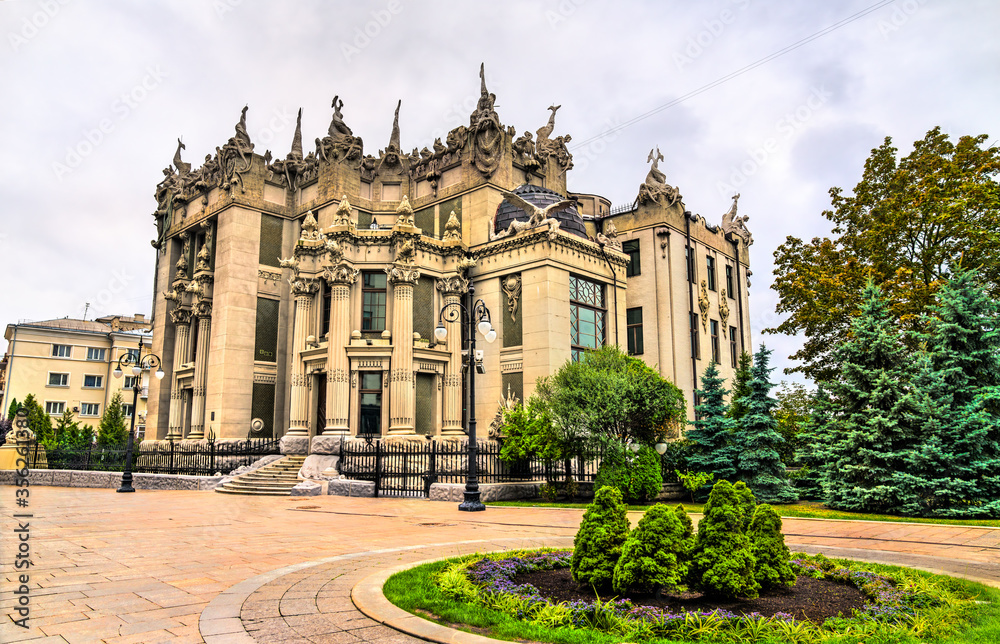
408	468
156	457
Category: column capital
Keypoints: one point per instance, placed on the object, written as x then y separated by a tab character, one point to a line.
180	316
203	309
341	274
453	284
305	286
402	274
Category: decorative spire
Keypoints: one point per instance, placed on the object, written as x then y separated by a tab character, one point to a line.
296	152
394	137
343	215
404	213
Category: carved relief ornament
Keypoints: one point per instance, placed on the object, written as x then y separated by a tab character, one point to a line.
180	316
703	304
341	274
723	307
305	286
511	286
402	274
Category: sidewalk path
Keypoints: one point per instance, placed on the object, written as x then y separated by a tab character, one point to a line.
143	567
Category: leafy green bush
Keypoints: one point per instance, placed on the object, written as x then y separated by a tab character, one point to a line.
637	477
768	547
598	543
722	563
688	525
747	501
694	480
654	556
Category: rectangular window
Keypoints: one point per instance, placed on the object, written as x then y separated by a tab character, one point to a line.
93	382
714	327
127	410
692	273
54	408
271	229
59	380
60	350
373	302
327	300
732	345
95	354
631	248
265	331
729	281
586	315
129	382
134	353
710	272
89	409
633	318
370	392
695	348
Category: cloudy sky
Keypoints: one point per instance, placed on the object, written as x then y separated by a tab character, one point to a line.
776	100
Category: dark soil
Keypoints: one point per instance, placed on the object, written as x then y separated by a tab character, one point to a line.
812	599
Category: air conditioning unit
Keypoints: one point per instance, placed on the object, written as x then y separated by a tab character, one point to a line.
76	410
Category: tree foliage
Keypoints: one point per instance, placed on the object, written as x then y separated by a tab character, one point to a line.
740	388
813	447
654	557
112	430
711	440
722	563
637	476
39	422
906	226
598	543
70	434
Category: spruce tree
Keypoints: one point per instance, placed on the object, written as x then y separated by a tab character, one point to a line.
711	438
112	429
39	422
870	434
741	388
722	563
757	439
599	540
813	451
12	410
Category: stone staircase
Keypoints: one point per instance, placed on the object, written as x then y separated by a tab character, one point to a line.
275	479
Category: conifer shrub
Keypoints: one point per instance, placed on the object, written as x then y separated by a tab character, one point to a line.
747	501
598	543
688	525
654	557
768	547
722	563
637	477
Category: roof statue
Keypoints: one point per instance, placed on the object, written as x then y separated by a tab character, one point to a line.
340	141
182	167
536	216
655	189
235	156
338	128
485	130
394	136
732	223
555	148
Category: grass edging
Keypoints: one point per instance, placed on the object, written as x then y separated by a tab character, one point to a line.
415	591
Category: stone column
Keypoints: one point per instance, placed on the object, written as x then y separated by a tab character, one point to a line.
304	291
204	312
453	288
182	336
338	381
402	401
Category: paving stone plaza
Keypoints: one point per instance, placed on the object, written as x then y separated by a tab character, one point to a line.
191	566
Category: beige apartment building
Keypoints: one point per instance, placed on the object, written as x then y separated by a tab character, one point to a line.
68	364
299	296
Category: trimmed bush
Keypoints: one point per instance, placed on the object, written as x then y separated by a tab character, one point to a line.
722	563
598	543
685	520
654	556
768	547
748	503
638	477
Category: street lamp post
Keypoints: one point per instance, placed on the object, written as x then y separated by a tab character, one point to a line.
478	317
138	364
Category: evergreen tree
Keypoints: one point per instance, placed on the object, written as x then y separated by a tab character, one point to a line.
757	460
741	388
813	451
870	435
955	400
722	563
747	501
654	557
38	421
12	410
598	543
112	429
768	547
70	434
711	438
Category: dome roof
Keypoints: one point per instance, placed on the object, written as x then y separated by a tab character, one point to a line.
568	217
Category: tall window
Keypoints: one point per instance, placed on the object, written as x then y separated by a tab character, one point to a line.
327	297
729	281
631	248
714	327
710	272
689	260
732	345
633	318
586	315
60	350
93	382
371	403
95	354
695	349
373	302
54	408
58	379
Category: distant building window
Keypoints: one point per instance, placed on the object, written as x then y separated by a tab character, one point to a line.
714	327
729	281
631	248
129	382
89	409
587	314
695	349
371	403
633	318
373	302
710	272
127	409
689	260
732	345
134	353
58	379
54	408
60	350
93	382
95	354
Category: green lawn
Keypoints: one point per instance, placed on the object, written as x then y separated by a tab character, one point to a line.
803	510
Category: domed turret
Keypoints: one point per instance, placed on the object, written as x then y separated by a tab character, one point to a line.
569	219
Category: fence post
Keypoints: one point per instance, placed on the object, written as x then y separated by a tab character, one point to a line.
172	457
431	469
90	450
211	458
378	466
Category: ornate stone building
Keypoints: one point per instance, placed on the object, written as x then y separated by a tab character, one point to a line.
299	296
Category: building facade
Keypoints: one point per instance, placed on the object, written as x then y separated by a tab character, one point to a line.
67	364
299	296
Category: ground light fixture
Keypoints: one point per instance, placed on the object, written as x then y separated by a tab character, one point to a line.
477	316
138	364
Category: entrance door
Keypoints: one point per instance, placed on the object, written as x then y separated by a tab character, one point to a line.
425	404
320	384
370	392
